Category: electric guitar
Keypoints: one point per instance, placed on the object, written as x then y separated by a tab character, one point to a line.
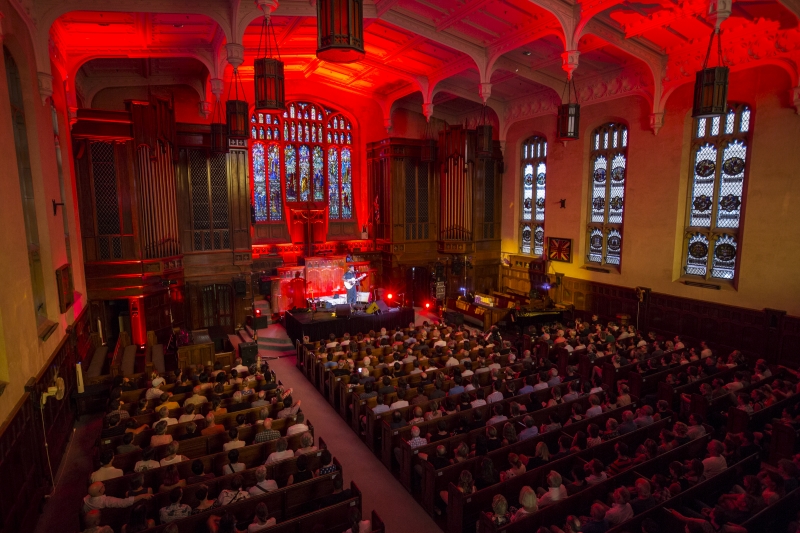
350	283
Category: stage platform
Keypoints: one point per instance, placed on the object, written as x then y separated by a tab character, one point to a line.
323	324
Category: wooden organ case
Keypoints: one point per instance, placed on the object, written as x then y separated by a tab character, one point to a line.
124	168
444	215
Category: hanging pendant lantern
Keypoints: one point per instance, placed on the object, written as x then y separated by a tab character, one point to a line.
340	30
483	137
711	85
268	77
219	131
429	145
569	115
236	111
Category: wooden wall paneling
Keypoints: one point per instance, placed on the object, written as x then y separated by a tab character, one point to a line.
157	308
85	204
23	463
239	201
790	340
20	469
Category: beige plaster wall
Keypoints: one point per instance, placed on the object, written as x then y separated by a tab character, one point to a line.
22	354
657	190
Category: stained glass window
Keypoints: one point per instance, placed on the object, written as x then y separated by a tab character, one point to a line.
714	214
347	185
534	178
295	154
333	181
260	183
608	175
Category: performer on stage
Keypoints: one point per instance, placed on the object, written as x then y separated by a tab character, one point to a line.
351	283
298	291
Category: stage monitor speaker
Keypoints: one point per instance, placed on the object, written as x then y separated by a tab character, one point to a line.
248	351
342	311
260	322
240	287
453	317
376	307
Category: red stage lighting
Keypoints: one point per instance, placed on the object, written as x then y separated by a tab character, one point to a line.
427	305
258	312
389	296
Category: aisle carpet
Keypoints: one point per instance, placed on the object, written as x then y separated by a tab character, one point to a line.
380	490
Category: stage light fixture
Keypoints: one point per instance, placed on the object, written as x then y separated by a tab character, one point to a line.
258	312
427	305
389	296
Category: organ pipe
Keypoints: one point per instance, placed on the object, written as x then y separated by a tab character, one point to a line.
158	205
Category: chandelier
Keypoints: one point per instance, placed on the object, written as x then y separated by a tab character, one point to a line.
340	30
236	110
711	84
270	89
569	114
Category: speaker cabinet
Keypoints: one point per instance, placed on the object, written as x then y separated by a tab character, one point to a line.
342	311
248	351
240	287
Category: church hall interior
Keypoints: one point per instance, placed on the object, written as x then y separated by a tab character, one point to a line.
378	266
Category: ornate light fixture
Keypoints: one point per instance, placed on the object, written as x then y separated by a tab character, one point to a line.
711	84
340	30
429	145
219	130
569	114
270	90
485	145
236	110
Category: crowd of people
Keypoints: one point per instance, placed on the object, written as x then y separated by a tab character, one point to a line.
378	364
219	393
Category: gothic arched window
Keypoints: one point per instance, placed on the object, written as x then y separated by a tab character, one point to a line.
303	154
607	177
716	194
534	176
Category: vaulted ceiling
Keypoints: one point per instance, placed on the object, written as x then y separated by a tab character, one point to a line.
448	53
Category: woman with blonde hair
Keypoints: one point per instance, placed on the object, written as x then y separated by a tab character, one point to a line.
541	457
500	510
529	503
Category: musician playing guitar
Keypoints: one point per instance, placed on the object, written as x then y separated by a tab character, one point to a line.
351	282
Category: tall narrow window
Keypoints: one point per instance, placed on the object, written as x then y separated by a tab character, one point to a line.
303	153
716	194
20	128
534	177
608	174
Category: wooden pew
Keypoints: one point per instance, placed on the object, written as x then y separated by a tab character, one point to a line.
463	510
739	420
435	481
285	504
580	502
390	438
410	456
127	461
783	444
706	491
